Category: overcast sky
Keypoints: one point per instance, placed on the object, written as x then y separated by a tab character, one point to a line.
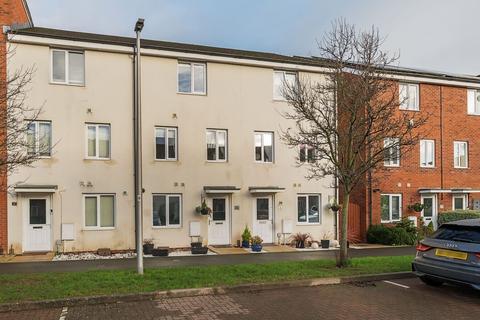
429	34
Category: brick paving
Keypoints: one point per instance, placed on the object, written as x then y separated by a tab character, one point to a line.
371	300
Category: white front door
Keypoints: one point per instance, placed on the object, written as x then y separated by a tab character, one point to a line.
37	224
263	218
219	222
429	212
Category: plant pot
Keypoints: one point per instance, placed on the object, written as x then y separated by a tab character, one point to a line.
160	252
300	244
199	250
245	244
196	244
325	244
257	247
204	212
148	248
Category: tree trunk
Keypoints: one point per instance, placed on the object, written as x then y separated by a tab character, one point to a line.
343	261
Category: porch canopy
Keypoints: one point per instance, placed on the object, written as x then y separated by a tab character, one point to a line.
270	189
453	190
220	189
35	188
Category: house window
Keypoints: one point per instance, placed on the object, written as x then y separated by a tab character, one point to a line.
391	152
427	153
167	210
39	138
99	211
264	147
460	154
216	145
307	154
68	67
459	202
308	208
473	101
165	143
279	79
391	206
98	141
408	96
192	78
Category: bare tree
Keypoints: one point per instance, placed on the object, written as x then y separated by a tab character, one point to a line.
19	145
350	117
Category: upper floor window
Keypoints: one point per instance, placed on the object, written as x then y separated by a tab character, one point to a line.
391	152
473	101
99	211
192	78
279	79
167	210
98	141
217	145
39	138
306	153
68	67
264	147
165	143
308	208
391	207
408	96
427	153
460	154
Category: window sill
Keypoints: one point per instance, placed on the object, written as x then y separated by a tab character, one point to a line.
390	221
216	161
98	159
82	85
309	223
407	109
98	228
461	168
193	93
166	160
473	114
391	165
423	167
279	100
263	162
166	227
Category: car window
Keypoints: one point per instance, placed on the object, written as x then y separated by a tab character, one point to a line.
468	234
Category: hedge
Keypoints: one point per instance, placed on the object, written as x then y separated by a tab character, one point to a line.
455	215
403	233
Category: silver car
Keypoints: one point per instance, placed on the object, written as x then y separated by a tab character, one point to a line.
451	254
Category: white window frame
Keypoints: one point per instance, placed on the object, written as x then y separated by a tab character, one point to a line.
473	102
391	162
97	141
167	207
307	149
263	146
400	214
423	153
307	195
192	78
167	129
98	195
216	131
284	73
455	155
37	138
404	105
67	71
464	198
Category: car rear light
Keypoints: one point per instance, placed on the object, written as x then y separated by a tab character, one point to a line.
477	255
422	247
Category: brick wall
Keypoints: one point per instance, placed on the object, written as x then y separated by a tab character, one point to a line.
11	12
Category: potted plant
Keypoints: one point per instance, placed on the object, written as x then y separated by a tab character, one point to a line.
203	209
325	241
335	207
148	246
246	236
160	251
300	239
257	244
417	207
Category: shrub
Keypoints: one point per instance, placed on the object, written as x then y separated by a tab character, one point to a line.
379	234
448	216
403	233
246	235
400	236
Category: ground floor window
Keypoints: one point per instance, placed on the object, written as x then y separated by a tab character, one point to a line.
391	206
459	202
99	210
308	208
167	210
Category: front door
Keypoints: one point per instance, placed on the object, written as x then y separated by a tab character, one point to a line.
263	218
429	212
219	222
37	224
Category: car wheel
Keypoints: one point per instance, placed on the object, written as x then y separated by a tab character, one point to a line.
431	281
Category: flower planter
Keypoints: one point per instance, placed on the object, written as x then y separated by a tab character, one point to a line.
148	248
196	244
325	244
257	247
199	250
160	252
246	244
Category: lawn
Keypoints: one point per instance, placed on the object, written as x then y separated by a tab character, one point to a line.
42	286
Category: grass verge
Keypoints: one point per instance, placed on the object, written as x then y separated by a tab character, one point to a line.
43	286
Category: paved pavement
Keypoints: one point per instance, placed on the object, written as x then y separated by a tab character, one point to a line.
157	262
400	299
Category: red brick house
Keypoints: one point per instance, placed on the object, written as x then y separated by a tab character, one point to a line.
442	170
13	14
